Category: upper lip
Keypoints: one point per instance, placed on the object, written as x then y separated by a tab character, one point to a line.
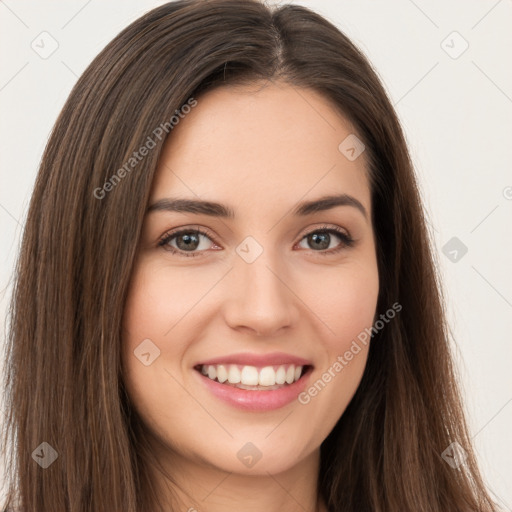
248	359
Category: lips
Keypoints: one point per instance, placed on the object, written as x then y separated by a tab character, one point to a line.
256	398
255	381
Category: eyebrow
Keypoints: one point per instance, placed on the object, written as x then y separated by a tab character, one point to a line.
201	207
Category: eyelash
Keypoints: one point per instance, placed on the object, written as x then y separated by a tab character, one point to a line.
346	240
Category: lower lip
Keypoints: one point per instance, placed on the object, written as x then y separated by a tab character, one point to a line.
256	400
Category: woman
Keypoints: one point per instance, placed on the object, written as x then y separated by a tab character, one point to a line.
226	297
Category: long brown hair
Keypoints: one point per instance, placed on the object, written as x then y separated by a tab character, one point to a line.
63	376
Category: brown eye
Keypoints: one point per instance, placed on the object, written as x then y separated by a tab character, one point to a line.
185	241
320	240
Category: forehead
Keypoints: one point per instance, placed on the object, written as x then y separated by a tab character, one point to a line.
265	143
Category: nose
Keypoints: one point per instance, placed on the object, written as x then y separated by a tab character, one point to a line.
260	297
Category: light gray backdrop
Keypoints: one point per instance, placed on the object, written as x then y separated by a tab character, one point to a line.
445	67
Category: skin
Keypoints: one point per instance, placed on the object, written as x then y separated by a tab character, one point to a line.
259	149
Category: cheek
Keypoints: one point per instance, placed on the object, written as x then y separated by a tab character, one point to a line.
351	315
150	313
355	307
345	301
162	302
158	315
159	298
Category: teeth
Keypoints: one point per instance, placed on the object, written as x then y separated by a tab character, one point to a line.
233	374
222	374
269	376
281	375
249	376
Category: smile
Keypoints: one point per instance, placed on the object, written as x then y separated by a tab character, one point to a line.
248	394
252	377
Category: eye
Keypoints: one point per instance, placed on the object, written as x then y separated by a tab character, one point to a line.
185	241
320	240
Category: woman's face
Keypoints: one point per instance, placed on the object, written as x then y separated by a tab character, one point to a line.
267	287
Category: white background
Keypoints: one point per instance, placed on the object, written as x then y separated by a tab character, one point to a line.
457	115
